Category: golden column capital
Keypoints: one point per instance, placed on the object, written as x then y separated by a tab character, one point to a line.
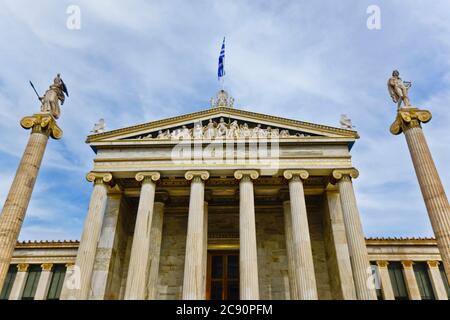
408	118
190	175
382	263
407	264
22	267
69	265
433	263
43	123
100	177
151	176
252	174
290	174
47	266
338	174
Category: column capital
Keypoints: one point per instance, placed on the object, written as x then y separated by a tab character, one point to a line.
22	267
150	176
408	118
252	174
69	265
407	264
43	123
47	266
338	174
433	263
190	175
382	263
100	177
290	174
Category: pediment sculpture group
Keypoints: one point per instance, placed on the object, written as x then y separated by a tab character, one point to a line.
222	130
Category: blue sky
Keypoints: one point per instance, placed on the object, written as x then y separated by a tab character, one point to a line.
138	61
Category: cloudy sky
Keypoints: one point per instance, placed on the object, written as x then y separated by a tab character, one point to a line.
137	61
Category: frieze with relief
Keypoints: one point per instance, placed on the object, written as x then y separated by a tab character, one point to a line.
222	129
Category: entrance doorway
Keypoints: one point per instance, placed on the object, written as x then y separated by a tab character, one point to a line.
223	275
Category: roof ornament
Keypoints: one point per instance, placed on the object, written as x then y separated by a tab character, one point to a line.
346	122
222	99
99	127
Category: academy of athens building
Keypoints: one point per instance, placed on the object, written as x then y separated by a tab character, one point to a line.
225	204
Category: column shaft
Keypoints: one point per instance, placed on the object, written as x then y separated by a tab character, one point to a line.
155	249
433	191
385	280
436	280
304	267
193	266
44	282
89	239
18	198
138	270
205	250
290	250
356	242
248	258
411	282
19	282
338	247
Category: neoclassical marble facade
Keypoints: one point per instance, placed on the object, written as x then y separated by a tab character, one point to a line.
226	203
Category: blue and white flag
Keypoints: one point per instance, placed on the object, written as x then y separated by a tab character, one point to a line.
221	70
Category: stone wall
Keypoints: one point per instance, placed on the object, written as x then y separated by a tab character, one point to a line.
173	248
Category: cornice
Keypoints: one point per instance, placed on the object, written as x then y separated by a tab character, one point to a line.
217	111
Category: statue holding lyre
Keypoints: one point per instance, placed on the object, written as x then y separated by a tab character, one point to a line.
398	89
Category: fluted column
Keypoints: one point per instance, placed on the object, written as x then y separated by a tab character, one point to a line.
13	213
44	282
19	281
248	257
205	250
303	259
193	265
290	250
409	122
90	237
436	280
385	280
355	235
410	280
155	249
136	288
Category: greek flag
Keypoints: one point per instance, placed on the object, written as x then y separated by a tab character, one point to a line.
221	70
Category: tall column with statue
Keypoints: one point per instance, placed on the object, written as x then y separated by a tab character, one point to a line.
409	121
43	125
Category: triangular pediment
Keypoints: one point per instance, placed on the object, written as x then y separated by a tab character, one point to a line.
222	122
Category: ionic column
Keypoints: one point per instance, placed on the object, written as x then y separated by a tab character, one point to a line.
290	250
248	257
385	280
205	250
13	213
44	282
138	268
338	245
155	249
90	237
19	281
436	280
409	122
194	259
355	235
410	279
301	243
